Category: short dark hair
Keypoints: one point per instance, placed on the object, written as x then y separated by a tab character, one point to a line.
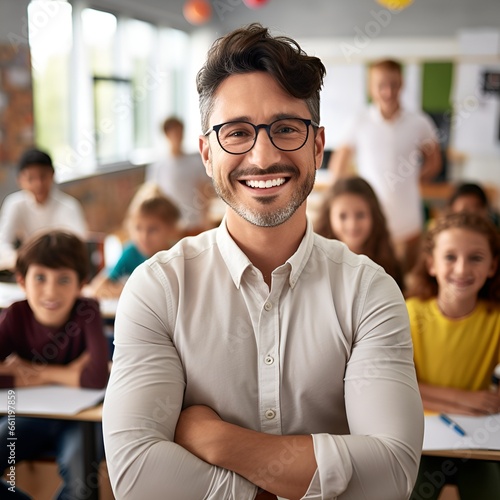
469	189
54	249
170	123
253	48
35	156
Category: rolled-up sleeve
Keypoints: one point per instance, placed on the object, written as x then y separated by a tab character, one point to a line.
379	459
143	402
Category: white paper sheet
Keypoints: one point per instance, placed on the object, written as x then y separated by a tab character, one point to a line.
50	400
481	433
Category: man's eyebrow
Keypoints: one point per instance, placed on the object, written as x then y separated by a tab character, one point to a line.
278	116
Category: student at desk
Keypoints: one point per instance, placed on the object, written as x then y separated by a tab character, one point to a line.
454	314
52	337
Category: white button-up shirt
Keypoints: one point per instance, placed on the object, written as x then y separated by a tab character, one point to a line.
325	351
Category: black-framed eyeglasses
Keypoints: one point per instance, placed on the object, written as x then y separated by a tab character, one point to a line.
239	137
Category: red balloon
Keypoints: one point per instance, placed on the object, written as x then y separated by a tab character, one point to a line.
254	4
197	11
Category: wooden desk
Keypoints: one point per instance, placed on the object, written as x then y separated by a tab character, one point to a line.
93	414
472	454
480	432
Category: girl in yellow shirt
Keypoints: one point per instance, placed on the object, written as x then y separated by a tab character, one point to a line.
454	310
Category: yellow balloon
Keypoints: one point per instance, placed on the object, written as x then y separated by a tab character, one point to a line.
395	4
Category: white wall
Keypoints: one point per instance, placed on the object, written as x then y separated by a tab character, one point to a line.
476	119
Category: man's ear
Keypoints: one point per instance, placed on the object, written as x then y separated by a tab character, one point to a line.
319	146
206	153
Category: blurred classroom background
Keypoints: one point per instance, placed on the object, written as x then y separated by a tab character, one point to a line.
91	82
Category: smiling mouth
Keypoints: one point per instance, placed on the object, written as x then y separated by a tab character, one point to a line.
461	283
50	305
270	183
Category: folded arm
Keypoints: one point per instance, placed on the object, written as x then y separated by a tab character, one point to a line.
283	465
378	460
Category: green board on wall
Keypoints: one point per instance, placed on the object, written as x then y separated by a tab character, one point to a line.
436	86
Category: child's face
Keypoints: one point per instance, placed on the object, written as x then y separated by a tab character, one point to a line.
469	203
51	293
151	234
461	262
351	220
38	180
175	135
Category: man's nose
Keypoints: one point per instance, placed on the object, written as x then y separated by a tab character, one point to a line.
264	153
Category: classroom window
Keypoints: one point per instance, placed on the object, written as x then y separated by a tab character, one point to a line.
102	85
50	36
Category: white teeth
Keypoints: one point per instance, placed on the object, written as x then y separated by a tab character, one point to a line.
265	184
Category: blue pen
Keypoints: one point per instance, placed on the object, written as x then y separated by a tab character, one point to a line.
453	425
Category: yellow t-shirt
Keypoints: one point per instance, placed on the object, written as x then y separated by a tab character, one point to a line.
460	353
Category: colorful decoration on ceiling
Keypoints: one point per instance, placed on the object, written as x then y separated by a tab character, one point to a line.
197	11
395	4
255	4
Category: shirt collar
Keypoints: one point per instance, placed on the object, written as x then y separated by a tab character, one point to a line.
237	262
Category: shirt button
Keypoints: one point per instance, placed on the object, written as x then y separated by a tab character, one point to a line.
268	306
269	360
270	414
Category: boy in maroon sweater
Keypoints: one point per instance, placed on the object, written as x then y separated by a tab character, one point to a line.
53	337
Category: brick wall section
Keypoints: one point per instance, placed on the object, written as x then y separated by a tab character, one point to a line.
105	197
16	102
